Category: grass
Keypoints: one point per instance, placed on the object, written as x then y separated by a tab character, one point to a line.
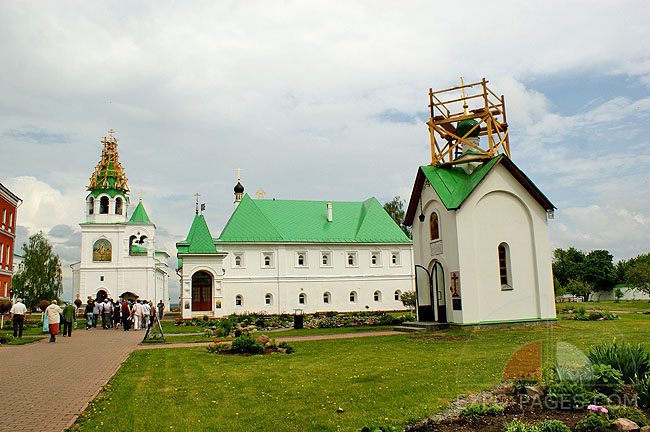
623	305
35	329
378	380
23	340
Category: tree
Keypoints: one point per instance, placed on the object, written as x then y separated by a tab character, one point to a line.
638	276
579	288
41	278
395	208
568	264
408	299
599	270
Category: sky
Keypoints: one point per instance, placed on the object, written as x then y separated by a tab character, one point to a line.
319	101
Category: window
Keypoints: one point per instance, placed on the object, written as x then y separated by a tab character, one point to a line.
434	229
268	299
4	217
11	220
301	259
326	259
267	260
91	205
398	293
302	298
239	300
2	255
326	298
375	259
353	296
504	267
395	259
239	260
377	296
101	278
103	205
351	259
118	206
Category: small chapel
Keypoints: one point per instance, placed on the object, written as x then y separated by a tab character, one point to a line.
294	256
118	254
480	225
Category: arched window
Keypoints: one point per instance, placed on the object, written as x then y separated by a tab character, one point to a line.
373	259
301	260
91	205
326	259
377	296
237	261
350	259
103	205
267	260
302	298
326	298
118	205
239	300
353	296
268	299
434	229
398	293
505	275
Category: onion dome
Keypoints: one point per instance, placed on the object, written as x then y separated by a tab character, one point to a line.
239	189
465	126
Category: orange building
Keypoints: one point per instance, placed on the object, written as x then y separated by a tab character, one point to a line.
8	205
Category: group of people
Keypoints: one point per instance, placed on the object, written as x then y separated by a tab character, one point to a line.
138	314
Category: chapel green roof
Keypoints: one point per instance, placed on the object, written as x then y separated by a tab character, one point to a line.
453	184
199	240
140	216
306	222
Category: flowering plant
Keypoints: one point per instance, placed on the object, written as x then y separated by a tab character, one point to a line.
597	408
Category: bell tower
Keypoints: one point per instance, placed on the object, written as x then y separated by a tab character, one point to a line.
460	116
108	199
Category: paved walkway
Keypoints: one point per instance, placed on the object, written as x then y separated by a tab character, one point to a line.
45	386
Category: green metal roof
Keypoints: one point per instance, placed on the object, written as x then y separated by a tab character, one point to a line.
138	250
199	240
110	192
140	216
453	184
306	222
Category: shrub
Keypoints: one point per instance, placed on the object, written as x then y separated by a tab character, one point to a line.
630	413
286	346
238	333
570	395
477	410
326	324
518	426
5	339
552	426
5	306
633	361
43	304
595	422
217	348
642	388
385	428
607	378
246	344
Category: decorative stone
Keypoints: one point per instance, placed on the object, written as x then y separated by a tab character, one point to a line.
262	339
282	350
267	345
645	429
625	425
535	392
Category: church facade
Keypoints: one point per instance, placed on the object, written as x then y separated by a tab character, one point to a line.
118	254
284	256
480	225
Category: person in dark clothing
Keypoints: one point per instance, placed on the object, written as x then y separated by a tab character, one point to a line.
90	307
68	318
116	315
126	315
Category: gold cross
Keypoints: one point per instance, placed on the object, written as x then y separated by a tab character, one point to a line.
238	174
261	194
197	195
140	193
111	132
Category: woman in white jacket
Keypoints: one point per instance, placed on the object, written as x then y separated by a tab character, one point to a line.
54	313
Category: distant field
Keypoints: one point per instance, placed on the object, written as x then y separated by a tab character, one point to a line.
623	305
377	380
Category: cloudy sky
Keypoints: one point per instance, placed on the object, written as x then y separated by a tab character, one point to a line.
318	100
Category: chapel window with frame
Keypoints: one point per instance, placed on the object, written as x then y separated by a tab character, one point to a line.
434	227
505	271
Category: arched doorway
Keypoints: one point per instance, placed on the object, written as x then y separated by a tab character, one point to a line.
129	296
438	288
201	291
101	295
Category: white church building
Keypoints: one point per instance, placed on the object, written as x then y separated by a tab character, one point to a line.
283	256
480	225
118	254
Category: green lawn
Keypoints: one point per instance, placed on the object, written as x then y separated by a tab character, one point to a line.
376	380
24	340
35	329
623	305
